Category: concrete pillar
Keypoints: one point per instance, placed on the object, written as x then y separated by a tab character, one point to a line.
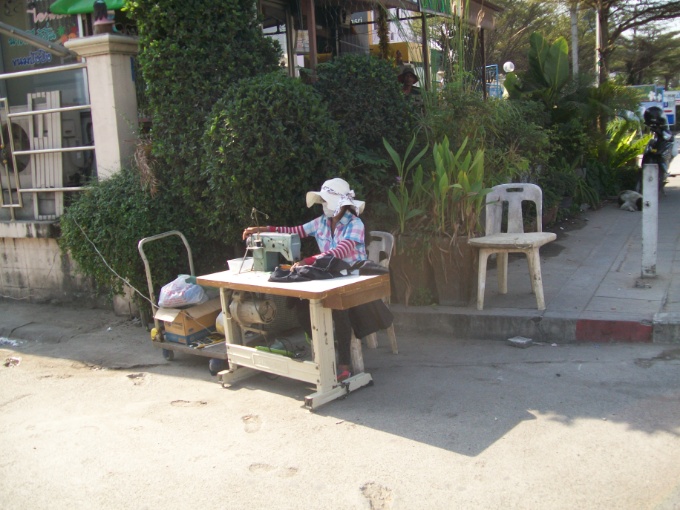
110	72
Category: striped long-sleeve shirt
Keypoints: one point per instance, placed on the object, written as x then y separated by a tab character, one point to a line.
346	242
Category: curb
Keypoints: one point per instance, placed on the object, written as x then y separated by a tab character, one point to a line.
538	326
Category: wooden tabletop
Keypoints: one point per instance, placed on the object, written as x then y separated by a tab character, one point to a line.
337	293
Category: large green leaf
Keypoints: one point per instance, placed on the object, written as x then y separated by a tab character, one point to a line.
538	54
556	65
513	85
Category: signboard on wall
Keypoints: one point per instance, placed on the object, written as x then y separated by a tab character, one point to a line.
35	18
653	95
670	100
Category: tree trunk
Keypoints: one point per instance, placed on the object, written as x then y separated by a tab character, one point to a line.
606	46
574	37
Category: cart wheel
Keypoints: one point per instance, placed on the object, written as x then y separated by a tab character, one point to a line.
215	365
168	354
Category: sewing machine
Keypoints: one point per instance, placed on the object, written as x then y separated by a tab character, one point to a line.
266	247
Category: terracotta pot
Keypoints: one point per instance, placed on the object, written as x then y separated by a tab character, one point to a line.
410	273
455	268
550	215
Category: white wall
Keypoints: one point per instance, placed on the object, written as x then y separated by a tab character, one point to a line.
35	270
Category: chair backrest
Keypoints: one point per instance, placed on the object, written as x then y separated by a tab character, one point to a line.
379	247
513	194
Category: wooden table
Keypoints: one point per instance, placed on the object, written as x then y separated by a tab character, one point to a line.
324	296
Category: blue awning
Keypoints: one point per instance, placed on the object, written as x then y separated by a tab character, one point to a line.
82	6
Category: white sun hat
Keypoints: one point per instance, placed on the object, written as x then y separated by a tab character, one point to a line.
336	193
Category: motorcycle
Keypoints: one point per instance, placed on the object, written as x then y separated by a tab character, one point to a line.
659	149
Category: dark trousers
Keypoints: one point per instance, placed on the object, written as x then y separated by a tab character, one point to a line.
363	319
342	328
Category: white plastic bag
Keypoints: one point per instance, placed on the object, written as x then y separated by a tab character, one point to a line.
180	292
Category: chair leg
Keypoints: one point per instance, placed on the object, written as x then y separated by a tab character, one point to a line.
357	355
530	264
502	271
536	279
481	278
393	339
372	341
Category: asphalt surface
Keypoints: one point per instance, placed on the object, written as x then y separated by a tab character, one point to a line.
92	416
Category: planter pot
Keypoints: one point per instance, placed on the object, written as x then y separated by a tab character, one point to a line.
550	215
455	271
411	274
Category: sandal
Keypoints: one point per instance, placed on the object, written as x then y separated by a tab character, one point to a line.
345	374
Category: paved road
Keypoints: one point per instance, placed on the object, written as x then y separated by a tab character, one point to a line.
93	417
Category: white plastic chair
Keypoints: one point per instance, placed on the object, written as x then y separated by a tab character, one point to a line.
379	250
379	246
514	240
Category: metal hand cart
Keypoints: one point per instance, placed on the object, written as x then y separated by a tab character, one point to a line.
217	352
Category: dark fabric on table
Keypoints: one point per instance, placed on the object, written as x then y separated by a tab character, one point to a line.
324	268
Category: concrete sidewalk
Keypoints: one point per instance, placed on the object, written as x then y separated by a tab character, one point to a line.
592	282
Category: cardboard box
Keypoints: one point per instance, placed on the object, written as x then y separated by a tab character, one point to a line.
190	324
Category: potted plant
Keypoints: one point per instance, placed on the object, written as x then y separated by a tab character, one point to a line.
443	208
411	274
458	197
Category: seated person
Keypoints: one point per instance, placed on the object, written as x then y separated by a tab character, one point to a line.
338	232
408	78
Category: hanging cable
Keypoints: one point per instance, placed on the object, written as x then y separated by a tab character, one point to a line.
107	264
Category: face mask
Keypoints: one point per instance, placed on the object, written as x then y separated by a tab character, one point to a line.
329	213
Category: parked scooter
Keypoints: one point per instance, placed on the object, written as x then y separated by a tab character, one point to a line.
659	150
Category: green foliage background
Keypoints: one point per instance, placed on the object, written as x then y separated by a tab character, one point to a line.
267	143
365	98
114	215
191	53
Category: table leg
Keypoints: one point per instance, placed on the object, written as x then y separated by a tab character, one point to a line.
232	335
232	332
323	345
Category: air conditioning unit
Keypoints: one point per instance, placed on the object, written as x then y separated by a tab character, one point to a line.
19	128
20	137
40	171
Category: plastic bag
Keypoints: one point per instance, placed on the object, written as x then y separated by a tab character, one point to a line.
180	292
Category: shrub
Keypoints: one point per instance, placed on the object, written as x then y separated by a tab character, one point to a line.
190	54
516	143
510	132
365	98
106	222
267	143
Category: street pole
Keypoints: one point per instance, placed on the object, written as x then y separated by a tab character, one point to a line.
650	219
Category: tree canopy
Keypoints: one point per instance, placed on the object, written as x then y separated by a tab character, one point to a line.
620	16
632	31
